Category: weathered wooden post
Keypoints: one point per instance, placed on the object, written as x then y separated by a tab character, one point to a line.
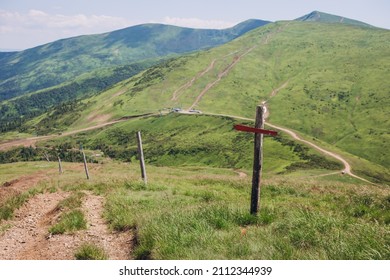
85	162
257	161
46	156
258	155
60	165
141	157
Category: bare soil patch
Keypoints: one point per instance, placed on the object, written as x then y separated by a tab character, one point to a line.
98	118
22	184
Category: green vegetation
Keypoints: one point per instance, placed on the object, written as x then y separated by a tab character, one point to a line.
72	202
328	18
8	207
203	213
90	252
69	222
65	152
61	99
14	202
3	228
195	140
206	217
71	218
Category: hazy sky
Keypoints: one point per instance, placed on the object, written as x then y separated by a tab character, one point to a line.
28	23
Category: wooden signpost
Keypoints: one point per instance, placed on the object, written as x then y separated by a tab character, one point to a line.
258	155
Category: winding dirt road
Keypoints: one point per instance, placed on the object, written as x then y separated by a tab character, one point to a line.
347	166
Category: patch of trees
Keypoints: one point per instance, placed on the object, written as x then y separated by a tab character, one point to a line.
17	111
61	116
65	152
117	152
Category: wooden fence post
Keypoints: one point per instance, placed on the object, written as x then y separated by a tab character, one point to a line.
46	156
85	162
257	161
141	157
60	166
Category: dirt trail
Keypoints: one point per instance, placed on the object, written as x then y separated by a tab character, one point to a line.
180	90
26	236
63	246
347	166
226	71
241	174
236	59
274	93
33	140
116	245
23	142
29	239
26	142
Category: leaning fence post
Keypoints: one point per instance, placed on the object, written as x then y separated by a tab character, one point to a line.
85	162
60	165
141	157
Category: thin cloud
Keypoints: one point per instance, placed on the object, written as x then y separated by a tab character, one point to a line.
36	27
40	19
198	23
42	27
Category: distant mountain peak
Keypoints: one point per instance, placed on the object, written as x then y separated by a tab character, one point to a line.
317	16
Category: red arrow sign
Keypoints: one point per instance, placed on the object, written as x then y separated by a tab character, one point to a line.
255	130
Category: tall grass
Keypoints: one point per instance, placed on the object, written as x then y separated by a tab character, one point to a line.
69	222
203	213
90	251
8	207
72	217
193	220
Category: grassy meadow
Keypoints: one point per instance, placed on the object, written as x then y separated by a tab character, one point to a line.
203	213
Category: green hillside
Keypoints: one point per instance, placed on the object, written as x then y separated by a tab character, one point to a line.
332	81
192	140
54	63
329	18
14	113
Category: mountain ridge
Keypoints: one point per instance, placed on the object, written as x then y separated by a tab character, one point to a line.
317	16
62	60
